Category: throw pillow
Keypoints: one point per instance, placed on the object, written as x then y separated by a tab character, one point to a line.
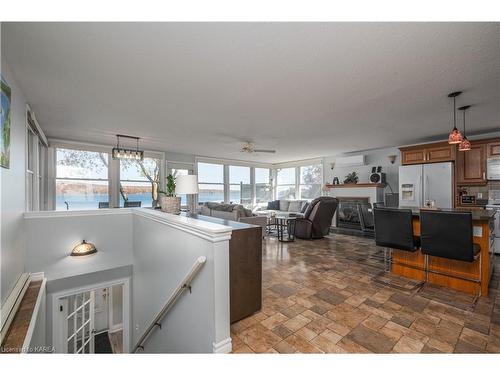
273	205
304	208
284	204
295	206
248	212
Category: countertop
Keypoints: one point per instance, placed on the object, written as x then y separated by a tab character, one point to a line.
477	213
216	220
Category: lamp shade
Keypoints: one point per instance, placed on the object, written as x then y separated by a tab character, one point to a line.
186	184
83	248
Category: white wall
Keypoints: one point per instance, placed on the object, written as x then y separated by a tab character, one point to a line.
51	236
12	191
373	158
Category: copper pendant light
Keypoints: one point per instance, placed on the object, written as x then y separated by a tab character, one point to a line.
465	144
455	136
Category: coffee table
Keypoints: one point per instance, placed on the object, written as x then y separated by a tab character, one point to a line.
285	226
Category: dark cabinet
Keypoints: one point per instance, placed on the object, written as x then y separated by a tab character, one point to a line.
471	165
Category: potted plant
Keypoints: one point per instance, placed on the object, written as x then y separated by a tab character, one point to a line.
351	178
168	201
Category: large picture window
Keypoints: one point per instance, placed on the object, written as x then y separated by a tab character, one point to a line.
285	188
81	179
263	187
311	179
210	182
139	182
240	189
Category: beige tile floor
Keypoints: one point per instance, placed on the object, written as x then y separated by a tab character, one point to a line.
322	296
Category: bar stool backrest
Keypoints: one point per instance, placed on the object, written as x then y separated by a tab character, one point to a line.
394	228
447	234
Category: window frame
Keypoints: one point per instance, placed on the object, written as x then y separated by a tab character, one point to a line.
113	168
56	178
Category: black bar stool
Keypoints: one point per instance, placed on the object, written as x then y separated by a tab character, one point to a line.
365	214
449	235
394	230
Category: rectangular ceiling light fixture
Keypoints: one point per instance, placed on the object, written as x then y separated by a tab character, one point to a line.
125	152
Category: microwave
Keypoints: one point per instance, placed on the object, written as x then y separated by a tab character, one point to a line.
493	169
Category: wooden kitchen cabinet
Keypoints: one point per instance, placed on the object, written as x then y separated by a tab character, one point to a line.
493	149
428	153
471	165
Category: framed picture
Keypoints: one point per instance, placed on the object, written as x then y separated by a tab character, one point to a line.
5	118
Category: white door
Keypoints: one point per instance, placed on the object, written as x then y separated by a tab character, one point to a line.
78	331
410	185
438	184
101	309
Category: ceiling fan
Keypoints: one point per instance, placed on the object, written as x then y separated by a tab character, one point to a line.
248	147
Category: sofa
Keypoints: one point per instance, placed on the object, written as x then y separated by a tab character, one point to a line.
234	212
284	207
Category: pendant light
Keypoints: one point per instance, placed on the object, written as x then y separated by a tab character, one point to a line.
465	144
455	136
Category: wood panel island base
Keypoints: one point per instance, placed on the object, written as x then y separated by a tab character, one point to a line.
412	265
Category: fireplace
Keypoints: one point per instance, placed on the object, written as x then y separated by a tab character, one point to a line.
347	212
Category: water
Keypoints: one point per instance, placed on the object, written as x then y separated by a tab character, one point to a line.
91	202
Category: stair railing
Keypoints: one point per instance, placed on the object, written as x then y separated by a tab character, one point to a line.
184	285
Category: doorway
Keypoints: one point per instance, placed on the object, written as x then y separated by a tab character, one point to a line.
93	319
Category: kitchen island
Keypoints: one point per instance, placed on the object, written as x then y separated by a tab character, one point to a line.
411	265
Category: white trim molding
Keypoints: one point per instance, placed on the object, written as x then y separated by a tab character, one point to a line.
223	347
203	229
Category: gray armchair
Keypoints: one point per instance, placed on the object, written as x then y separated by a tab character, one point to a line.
317	218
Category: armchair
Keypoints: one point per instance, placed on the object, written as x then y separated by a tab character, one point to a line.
317	218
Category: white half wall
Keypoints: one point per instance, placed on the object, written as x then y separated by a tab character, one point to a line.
163	255
161	249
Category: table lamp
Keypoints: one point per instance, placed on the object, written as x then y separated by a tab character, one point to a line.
187	184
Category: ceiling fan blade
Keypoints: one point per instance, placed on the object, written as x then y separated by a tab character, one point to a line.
268	151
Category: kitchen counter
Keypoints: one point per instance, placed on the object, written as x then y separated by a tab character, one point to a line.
412	265
478	214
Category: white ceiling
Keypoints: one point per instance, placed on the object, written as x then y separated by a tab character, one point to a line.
304	89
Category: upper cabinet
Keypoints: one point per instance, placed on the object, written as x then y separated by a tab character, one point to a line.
471	165
493	149
428	153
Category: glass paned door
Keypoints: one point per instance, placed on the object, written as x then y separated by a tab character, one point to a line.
79	329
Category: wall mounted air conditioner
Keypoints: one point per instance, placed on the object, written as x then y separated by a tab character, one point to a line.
350	161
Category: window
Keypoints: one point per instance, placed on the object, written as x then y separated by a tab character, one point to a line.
286	184
263	187
181	172
311	181
210	182
139	181
240	189
81	179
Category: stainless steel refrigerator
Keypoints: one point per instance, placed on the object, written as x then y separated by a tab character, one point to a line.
426	182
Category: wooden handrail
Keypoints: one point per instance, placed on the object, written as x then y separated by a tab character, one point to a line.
183	285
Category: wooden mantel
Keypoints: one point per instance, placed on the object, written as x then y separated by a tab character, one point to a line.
361	185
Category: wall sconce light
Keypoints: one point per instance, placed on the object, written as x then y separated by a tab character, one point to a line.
392	158
83	248
332	165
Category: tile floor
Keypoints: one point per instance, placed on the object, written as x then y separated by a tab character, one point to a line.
328	296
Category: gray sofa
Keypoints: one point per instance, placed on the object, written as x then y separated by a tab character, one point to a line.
285	207
234	212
